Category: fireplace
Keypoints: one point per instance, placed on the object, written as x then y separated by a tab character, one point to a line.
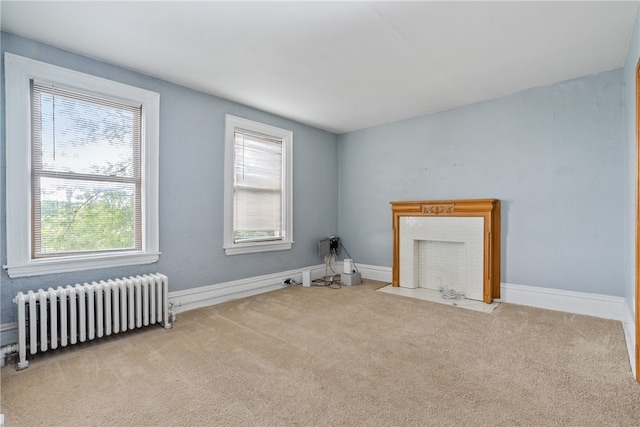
451	243
442	252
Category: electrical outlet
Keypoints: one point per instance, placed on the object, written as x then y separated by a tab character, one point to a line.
286	281
334	245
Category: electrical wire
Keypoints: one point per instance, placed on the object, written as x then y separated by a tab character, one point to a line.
329	266
331	283
349	255
450	293
328	280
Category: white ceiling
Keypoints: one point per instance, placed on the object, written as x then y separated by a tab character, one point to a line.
340	66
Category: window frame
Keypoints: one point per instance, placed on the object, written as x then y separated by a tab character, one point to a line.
19	71
286	136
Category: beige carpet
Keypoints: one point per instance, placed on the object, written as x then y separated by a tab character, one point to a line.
323	357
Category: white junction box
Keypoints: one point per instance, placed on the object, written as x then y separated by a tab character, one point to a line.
306	278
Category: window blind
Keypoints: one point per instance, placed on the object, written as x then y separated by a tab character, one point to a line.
86	179
258	175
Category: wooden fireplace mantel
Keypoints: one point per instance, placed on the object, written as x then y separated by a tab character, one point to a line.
489	209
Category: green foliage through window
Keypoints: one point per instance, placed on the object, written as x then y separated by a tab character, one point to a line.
103	221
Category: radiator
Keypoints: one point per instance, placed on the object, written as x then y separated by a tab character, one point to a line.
74	314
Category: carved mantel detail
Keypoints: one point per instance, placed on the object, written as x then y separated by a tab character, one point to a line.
438	209
489	209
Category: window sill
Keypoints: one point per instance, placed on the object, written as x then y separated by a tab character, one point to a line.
250	248
76	263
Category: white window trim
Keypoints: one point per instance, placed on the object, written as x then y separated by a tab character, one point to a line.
18	72
231	248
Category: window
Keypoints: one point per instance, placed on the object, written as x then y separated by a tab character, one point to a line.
82	184
258	207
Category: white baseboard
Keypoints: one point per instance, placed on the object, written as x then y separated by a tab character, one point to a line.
629	326
375	272
597	305
204	296
181	301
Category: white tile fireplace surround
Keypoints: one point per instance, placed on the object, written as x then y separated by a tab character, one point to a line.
448	243
437	252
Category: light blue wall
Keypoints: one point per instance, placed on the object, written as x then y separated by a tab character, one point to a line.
629	70
554	155
191	185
